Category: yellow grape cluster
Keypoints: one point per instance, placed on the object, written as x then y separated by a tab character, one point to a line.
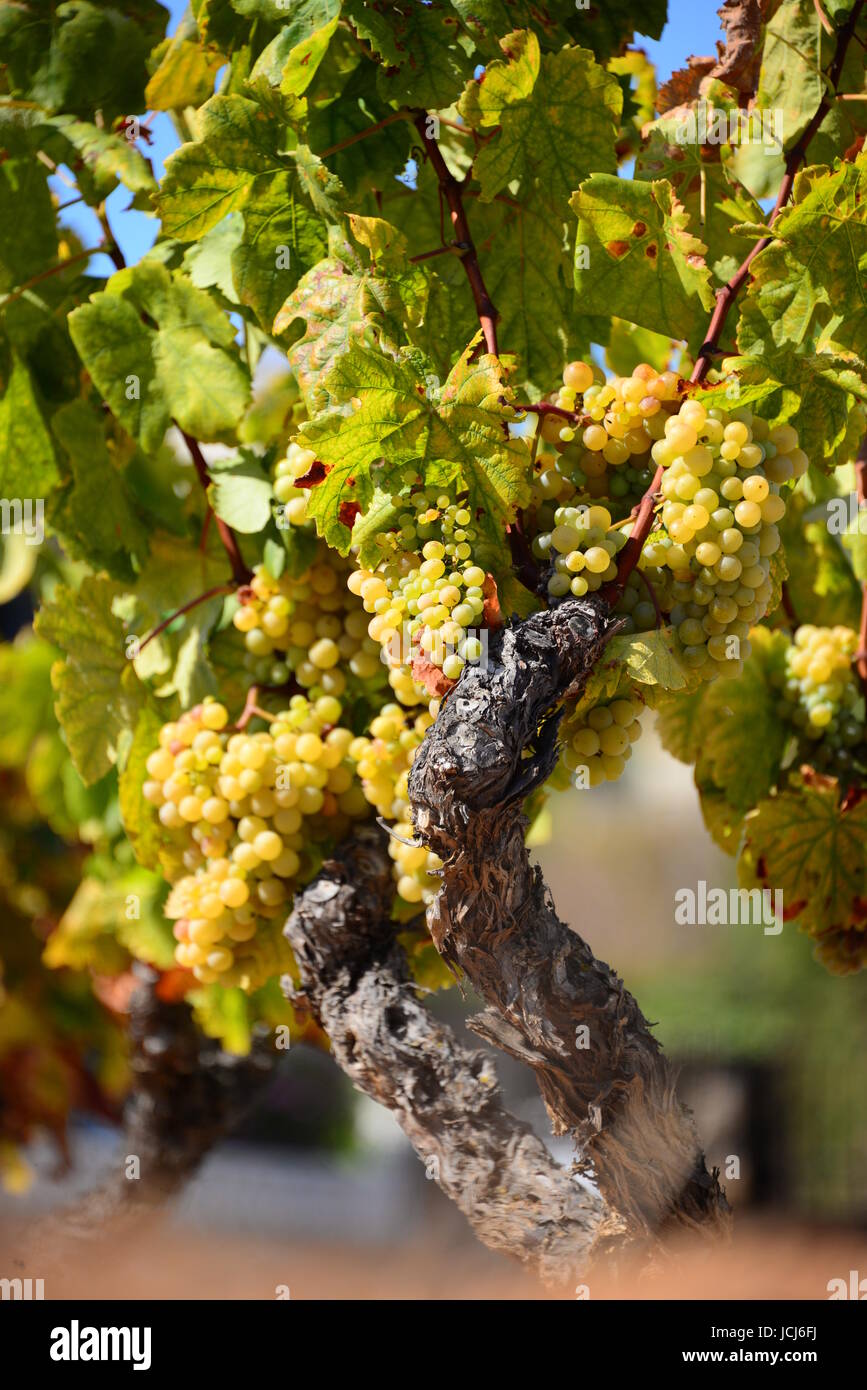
428	596
313	625
610	455
822	698
721	503
597	745
383	762
293	499
243	810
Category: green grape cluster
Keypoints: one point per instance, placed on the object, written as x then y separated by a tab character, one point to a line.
307	628
583	547
823	701
383	762
246	813
427	597
721	503
597	744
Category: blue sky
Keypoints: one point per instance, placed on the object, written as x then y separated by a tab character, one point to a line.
693	27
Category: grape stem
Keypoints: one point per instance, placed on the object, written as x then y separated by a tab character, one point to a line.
544	408
251	710
860	661
452	189
185	608
240	572
402	115
724	300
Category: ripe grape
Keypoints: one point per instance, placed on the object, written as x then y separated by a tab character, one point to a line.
597	744
246	816
426	597
311	628
383	762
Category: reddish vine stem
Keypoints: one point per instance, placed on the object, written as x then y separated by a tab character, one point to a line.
240	571
52	270
437	251
401	115
185	608
543	408
724	300
453	192
860	662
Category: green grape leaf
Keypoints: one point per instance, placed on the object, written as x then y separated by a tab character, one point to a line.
803	843
98	693
79	57
821	585
636	258
26	704
368	163
28	235
109	918
225	1014
28	465
108	157
744	735
555	120
94	511
813	274
185	75
680	724
241	494
175	573
184	368
714	204
528	275
795	53
241	146
290	61
653	658
365	290
423	61
283	238
143	828
208	261
458	433
803	320
628	345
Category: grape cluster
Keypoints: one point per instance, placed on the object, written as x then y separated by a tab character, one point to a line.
597	744
609	454
307	628
721	503
292	498
427	597
383	762
246	812
823	701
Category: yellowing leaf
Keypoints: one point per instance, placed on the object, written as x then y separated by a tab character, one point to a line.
636	258
98	693
459	434
555	119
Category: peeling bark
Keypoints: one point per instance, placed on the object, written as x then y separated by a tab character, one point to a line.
494	741
444	1096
